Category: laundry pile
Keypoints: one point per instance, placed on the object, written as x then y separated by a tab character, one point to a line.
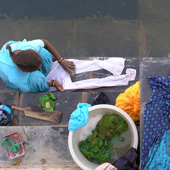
114	65
129	101
155	148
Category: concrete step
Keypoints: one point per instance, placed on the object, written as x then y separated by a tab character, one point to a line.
48	143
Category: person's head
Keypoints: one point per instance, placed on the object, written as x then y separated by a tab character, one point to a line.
27	61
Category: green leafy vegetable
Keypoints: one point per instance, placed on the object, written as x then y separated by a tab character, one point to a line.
99	146
47	98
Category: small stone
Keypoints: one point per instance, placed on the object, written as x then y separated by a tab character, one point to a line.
16	162
43	161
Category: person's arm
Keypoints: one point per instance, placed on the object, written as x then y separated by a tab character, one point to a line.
106	166
68	66
56	84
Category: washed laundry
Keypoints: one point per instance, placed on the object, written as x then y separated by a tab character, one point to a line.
99	147
79	117
156	115
101	98
159	155
128	161
129	101
114	65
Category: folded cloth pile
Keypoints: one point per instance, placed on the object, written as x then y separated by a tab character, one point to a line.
129	101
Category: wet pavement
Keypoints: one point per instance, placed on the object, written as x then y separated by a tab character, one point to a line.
136	30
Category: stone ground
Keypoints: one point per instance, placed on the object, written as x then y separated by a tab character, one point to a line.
46	140
136	30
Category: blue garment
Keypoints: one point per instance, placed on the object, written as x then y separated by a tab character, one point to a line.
156	115
159	155
6	108
23	81
79	117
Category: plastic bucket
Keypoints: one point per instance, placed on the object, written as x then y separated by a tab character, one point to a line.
95	114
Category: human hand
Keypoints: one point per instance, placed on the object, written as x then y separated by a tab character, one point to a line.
69	67
59	86
106	166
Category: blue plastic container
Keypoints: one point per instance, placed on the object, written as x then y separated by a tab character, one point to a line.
9	111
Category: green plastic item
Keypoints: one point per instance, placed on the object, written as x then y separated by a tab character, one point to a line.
47	98
99	147
15	147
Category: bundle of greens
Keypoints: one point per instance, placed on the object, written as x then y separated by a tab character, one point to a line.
47	102
99	147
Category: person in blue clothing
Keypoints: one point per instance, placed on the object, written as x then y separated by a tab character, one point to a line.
24	65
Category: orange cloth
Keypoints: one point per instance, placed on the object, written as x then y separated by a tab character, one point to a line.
129	101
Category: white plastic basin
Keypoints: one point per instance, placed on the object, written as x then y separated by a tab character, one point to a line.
95	114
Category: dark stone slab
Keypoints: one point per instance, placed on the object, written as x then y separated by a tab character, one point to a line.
106	38
84	38
111	96
152	67
154	10
59	33
157	38
77	39
66	103
5	88
9	98
73	9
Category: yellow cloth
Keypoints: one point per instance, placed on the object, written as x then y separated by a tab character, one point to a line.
129	101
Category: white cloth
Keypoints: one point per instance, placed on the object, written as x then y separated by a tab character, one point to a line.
115	65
